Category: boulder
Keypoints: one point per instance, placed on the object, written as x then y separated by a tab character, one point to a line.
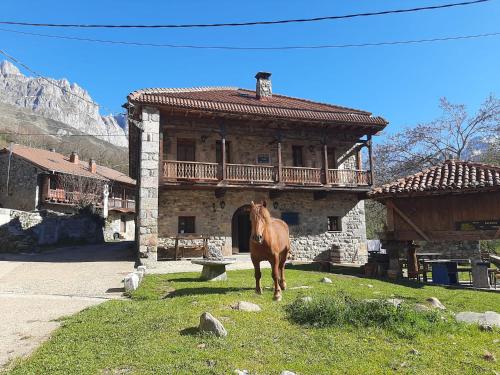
326	280
140	275
241	372
394	301
214	253
435	303
208	323
131	282
246	306
489	318
287	373
420	307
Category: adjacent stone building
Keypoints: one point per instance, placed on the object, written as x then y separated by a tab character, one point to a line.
34	179
201	155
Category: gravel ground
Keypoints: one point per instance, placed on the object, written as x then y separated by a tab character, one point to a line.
37	289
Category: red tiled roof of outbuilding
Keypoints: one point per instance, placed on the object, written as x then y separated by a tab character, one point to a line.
241	101
452	176
55	162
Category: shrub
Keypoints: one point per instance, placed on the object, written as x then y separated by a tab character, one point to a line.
343	310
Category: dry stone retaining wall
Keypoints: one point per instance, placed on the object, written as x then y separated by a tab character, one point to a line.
25	231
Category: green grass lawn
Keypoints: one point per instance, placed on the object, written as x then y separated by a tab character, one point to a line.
155	332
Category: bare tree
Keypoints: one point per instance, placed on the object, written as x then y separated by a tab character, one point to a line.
455	134
83	192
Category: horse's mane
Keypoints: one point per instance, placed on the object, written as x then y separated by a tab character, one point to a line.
261	211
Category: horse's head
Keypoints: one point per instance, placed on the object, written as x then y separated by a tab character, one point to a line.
259	216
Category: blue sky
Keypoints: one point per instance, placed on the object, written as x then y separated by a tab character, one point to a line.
402	83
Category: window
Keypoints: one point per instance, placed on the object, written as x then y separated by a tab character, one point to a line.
186	150
334	224
291	218
297	156
186	224
218	152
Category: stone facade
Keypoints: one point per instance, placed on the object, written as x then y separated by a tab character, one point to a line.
311	239
147	183
23	191
116	222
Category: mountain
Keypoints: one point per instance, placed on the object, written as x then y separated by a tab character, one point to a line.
60	100
40	132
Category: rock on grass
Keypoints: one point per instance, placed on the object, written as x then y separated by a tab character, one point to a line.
435	303
208	323
246	306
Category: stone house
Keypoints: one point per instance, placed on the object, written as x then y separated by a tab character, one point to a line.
34	179
201	155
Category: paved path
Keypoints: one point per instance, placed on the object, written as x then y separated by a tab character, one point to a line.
36	289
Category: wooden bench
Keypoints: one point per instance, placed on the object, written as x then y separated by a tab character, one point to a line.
191	237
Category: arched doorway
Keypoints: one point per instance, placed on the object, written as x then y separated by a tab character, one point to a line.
241	229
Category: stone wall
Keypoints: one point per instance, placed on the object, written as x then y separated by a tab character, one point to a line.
147	183
25	231
23	184
310	238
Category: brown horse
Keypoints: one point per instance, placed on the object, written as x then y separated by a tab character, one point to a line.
270	240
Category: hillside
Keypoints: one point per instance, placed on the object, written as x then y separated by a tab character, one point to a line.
47	133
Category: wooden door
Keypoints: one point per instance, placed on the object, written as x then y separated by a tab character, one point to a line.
186	150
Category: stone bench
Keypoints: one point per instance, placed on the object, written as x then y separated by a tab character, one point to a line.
213	270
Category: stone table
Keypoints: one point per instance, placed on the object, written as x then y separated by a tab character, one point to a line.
213	270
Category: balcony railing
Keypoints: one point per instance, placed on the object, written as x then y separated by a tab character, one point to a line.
179	171
121	203
250	173
301	175
69	197
190	170
349	177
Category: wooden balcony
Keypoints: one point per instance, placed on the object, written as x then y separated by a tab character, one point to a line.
119	203
176	172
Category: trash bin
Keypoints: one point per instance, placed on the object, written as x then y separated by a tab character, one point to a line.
445	273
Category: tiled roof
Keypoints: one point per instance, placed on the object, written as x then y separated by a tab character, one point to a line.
453	176
244	102
53	161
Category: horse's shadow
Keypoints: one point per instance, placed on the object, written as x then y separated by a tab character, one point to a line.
203	291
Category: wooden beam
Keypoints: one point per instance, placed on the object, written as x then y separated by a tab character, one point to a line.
408	220
370	157
223	147
280	163
497	234
325	162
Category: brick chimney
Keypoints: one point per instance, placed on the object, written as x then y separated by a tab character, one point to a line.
92	166
263	88
73	158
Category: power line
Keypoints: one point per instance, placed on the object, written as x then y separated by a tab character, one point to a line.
251	23
63	135
63	89
258	48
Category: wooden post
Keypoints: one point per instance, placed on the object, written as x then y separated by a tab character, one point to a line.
325	163
160	163
223	147
280	164
370	157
